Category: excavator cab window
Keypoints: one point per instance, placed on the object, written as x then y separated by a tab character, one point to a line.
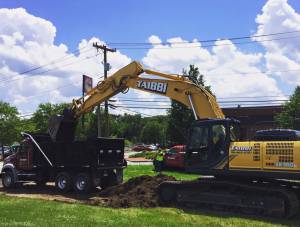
234	132
208	143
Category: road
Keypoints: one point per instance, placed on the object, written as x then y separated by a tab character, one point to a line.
127	154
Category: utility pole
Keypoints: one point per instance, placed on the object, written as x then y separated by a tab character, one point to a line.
106	69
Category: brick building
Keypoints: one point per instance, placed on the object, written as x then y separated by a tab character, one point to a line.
253	118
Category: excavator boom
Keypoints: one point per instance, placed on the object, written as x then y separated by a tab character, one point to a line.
176	87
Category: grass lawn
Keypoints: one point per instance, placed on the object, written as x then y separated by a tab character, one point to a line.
34	212
139	170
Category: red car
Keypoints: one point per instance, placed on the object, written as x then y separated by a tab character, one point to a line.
141	147
174	158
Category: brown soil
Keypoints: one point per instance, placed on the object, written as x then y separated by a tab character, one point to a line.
137	192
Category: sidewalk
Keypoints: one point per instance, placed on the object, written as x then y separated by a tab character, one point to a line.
138	161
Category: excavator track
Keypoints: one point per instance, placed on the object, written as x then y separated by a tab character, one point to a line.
250	198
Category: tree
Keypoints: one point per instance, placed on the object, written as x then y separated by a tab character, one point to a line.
290	116
42	115
151	132
9	121
180	116
127	126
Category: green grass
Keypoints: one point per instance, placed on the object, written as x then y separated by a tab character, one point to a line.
144	154
33	212
139	170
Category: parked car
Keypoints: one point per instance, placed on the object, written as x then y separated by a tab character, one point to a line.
4	149
141	147
152	147
7	151
174	157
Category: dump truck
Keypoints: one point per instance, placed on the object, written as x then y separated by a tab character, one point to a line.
77	165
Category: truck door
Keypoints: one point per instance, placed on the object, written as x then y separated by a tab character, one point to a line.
170	158
24	160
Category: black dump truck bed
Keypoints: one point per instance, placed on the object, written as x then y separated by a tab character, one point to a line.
96	152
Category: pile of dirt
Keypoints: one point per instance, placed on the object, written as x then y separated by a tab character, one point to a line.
136	192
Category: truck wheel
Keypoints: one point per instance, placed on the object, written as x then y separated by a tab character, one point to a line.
82	183
8	180
63	182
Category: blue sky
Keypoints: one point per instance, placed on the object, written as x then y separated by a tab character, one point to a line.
27	39
135	20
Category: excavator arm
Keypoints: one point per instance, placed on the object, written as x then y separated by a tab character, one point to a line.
176	87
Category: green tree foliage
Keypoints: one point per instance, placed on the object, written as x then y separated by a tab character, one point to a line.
44	111
153	131
9	122
290	116
127	126
180	117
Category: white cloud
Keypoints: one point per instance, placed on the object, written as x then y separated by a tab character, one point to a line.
225	67
283	53
26	42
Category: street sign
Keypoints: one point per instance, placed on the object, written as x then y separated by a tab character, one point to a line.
87	84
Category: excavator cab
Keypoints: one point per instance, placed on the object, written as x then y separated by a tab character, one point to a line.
209	142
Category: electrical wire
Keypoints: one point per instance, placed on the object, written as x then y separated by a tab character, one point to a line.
56	68
60	59
169	46
209	40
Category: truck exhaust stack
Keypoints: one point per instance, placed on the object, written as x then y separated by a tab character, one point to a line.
62	127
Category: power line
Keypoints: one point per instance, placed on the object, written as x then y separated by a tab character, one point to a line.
204	41
56	68
53	89
262	72
197	46
118	108
234	101
60	59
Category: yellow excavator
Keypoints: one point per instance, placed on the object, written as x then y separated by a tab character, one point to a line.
258	176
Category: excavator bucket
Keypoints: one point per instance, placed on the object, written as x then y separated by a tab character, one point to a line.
62	127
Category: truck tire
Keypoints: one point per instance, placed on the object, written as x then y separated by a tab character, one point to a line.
63	182
82	183
8	180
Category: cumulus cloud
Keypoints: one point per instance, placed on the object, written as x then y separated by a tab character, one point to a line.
282	53
226	68
27	41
